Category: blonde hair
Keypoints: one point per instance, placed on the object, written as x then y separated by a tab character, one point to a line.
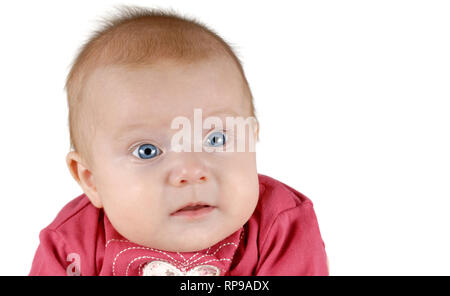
138	36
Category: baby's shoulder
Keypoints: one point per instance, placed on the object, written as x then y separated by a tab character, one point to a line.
275	197
77	212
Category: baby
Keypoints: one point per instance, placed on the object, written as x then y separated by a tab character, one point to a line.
153	206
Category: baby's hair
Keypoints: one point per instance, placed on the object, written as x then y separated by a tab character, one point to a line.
137	36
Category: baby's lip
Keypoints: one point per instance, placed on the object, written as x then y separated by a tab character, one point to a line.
192	206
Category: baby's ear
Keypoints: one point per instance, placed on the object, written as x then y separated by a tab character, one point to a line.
84	177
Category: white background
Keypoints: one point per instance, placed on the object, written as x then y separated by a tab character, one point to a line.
353	98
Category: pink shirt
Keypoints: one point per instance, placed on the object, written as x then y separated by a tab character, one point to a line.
282	237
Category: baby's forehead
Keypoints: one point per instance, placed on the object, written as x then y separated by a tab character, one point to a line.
166	85
152	97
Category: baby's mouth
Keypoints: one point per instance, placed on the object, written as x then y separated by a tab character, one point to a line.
193	209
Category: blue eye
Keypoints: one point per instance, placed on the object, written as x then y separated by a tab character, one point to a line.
146	151
216	139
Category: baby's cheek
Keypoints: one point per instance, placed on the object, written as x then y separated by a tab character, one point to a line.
128	202
136	218
241	189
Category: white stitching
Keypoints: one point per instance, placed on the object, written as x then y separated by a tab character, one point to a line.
193	256
117	240
140	248
187	261
217	250
207	251
140	268
181	256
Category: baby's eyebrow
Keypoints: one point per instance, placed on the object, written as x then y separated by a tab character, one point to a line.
222	112
133	127
147	127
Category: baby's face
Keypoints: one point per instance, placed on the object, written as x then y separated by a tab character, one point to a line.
142	182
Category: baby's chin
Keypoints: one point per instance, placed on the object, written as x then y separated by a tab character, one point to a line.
192	242
192	246
200	238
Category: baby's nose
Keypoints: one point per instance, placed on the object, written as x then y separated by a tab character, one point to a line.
188	174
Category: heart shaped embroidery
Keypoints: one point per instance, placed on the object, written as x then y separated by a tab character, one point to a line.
159	268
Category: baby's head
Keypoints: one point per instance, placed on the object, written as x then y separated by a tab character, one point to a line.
128	83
